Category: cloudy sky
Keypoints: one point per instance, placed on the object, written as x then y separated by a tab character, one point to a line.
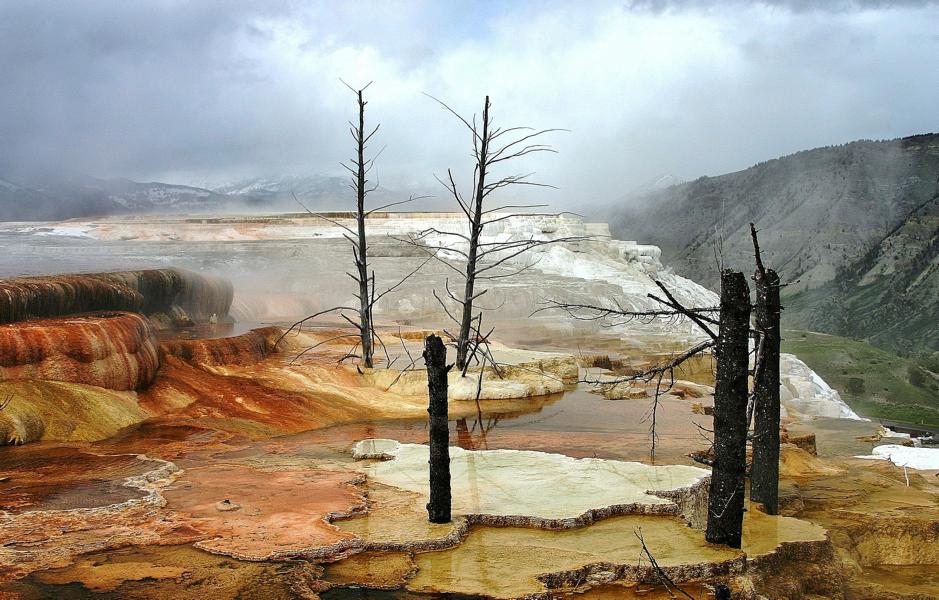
208	91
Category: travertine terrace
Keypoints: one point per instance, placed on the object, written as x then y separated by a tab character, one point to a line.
170	443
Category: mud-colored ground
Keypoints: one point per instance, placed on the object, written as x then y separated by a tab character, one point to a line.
235	478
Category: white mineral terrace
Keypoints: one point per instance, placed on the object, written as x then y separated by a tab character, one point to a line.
804	393
619	272
526	483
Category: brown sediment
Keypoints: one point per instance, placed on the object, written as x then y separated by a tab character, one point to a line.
878	518
373	570
117	351
269	398
214	403
493	557
57	411
276	513
57	517
804	440
779	568
513	562
176	293
160	572
626	590
794	462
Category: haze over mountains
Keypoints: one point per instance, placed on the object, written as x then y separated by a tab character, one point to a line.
854	229
77	195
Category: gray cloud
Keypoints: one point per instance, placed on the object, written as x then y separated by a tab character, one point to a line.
205	91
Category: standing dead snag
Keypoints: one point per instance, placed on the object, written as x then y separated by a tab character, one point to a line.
764	474
491	146
435	357
726	494
663	374
367	338
360	248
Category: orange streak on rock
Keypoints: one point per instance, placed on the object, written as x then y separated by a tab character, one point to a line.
246	349
117	351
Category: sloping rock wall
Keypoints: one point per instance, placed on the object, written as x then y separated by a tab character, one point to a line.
117	351
174	292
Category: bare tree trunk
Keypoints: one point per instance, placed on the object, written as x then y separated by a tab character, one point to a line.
435	357
476	230
361	259
726	495
764	476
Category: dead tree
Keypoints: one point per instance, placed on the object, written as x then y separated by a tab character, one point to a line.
435	357
729	339
492	146
662	374
359	167
764	473
360	248
667	582
731	346
728	473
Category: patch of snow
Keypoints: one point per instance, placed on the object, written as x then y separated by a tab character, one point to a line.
922	459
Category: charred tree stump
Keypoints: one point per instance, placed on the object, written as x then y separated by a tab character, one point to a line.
764	476
435	357
726	495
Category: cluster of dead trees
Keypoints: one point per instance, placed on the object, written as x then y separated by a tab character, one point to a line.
728	335
477	260
727	327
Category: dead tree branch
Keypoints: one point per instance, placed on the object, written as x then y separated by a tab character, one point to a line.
359	167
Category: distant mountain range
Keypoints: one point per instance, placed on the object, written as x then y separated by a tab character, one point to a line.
853	229
77	195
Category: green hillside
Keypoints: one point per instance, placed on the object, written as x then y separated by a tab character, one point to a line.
874	382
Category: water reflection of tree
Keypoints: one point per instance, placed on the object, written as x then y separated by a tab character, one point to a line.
486	421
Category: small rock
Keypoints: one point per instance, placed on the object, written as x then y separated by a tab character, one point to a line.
227	505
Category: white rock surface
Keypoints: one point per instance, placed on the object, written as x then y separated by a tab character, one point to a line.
925	459
526	483
597	270
804	393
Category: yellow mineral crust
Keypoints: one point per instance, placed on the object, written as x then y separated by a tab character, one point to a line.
510	562
53	410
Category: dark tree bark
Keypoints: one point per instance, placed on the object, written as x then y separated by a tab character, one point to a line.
435	357
726	495
491	145
366	330
476	229
722	592
764	476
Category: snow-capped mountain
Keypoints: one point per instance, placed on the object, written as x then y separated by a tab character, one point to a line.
660	182
305	185
70	195
76	195
318	192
